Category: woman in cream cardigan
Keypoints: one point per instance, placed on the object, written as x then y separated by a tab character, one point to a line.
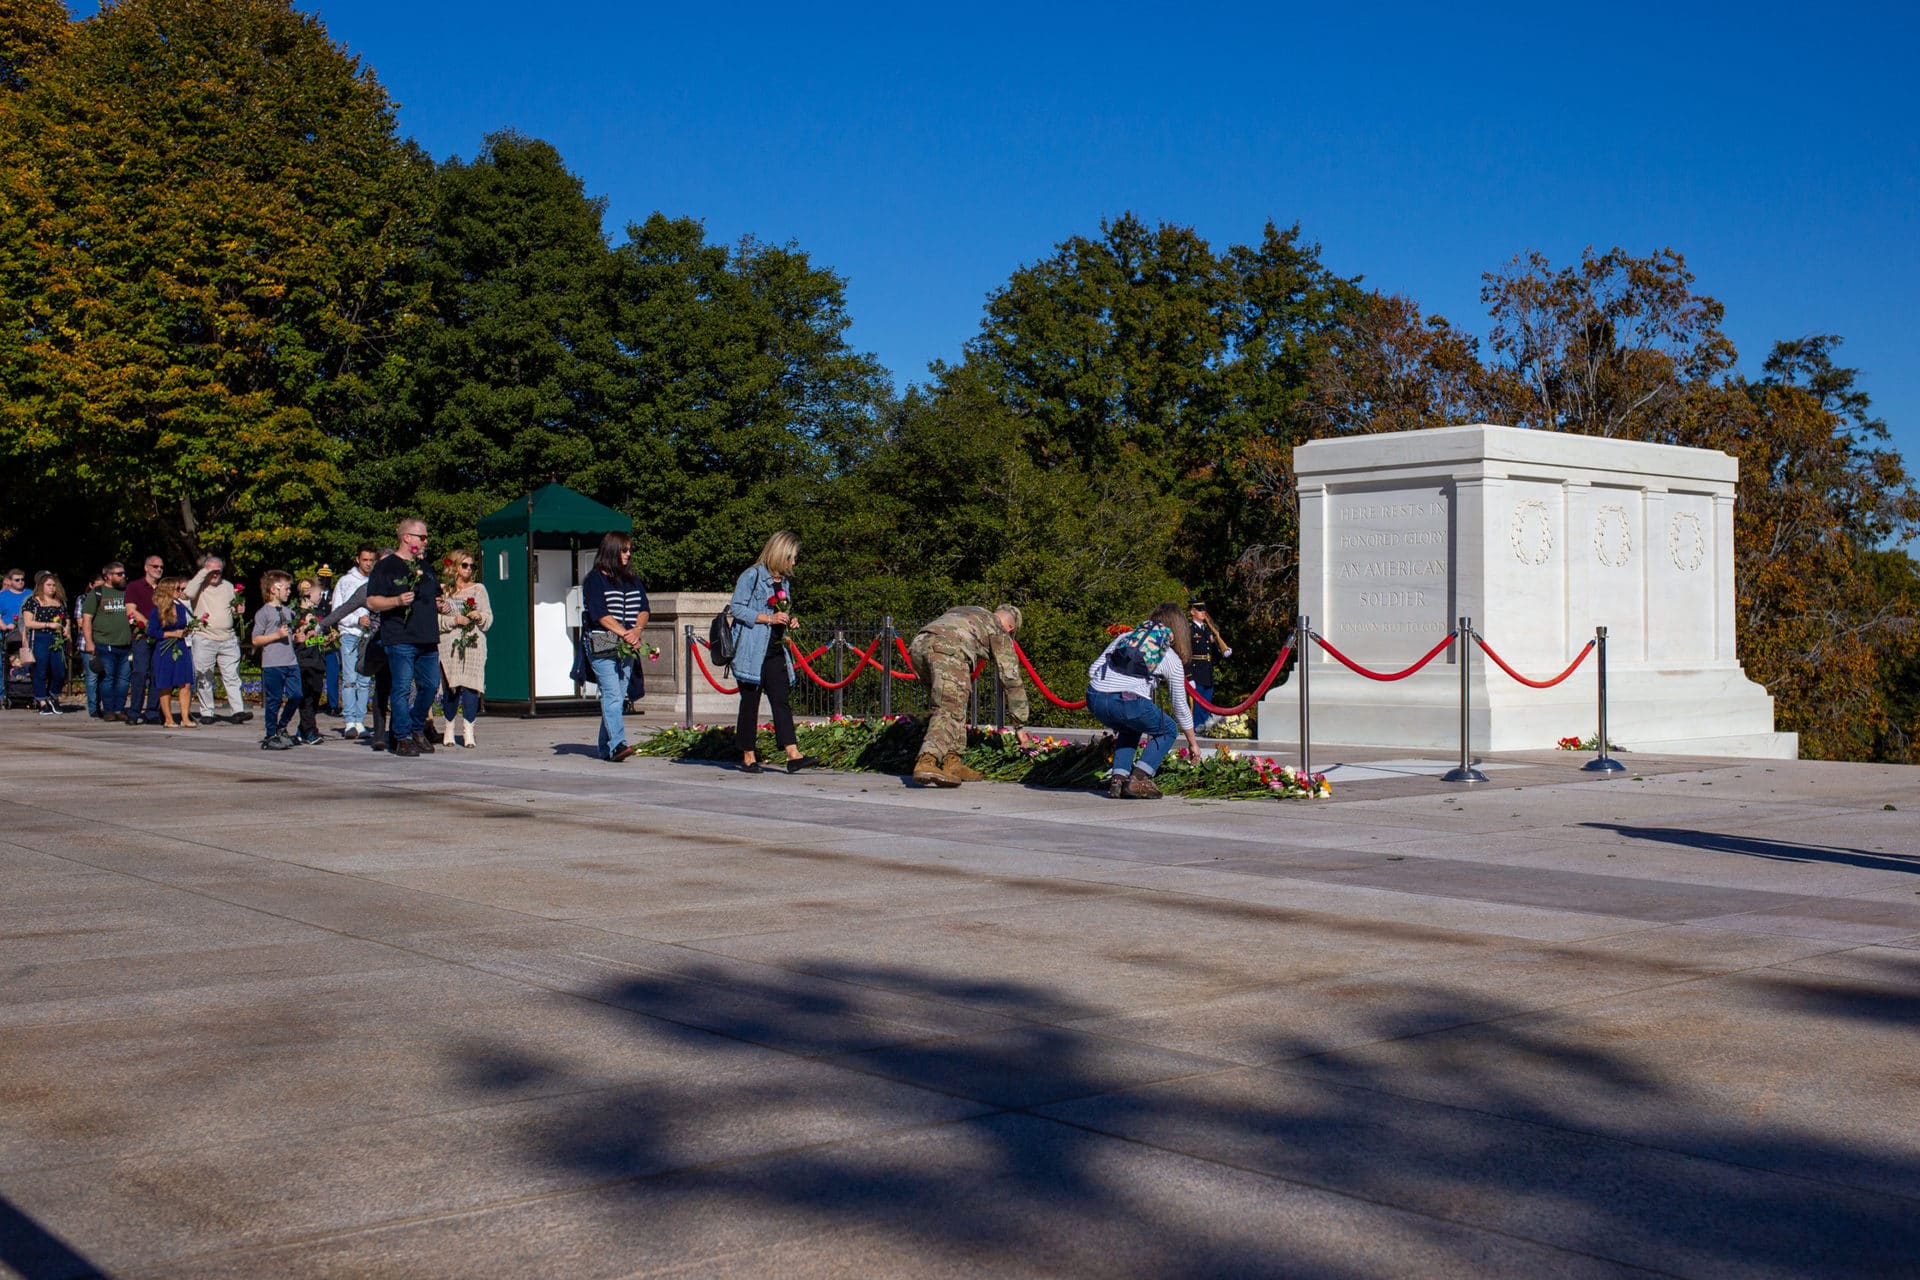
466	614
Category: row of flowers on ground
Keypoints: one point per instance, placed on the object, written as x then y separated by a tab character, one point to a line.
888	744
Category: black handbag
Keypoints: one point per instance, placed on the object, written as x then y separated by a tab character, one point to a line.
363	662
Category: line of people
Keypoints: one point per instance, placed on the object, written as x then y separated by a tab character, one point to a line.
396	635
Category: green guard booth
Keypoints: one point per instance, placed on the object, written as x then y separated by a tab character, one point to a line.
535	551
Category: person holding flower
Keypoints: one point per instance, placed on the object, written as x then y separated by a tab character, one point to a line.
43	619
311	643
613	611
463	646
762	612
171	669
1120	696
405	593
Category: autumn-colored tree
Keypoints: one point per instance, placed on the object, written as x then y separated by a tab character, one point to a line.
205	224
1605	348
1380	366
1819	625
30	31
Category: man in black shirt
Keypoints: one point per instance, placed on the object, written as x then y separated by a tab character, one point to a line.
406	595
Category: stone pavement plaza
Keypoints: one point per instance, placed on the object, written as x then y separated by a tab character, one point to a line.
514	1012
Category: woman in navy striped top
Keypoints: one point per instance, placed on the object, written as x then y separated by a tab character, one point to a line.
613	608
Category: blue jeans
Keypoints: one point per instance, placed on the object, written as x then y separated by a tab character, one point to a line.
416	678
612	674
354	687
49	668
114	661
280	690
463	702
333	678
1132	718
142	698
92	682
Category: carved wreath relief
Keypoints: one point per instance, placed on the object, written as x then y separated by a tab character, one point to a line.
1531	532
1686	541
1612	536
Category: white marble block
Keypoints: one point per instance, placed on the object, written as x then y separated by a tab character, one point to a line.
1539	537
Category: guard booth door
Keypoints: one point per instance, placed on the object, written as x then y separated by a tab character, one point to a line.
556	618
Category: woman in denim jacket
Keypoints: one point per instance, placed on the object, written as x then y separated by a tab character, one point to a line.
761	609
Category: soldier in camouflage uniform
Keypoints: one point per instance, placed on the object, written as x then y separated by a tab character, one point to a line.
944	655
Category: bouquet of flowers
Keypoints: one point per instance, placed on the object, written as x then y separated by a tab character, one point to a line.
176	646
239	604
782	602
627	649
468	618
307	619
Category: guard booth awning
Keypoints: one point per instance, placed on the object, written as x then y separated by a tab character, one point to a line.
534	552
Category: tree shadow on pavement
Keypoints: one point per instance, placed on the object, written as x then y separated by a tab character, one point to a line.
965	1124
1760	847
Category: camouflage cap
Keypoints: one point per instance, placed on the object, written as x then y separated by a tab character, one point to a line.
1013	609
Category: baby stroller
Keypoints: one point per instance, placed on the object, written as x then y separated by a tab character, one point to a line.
19	695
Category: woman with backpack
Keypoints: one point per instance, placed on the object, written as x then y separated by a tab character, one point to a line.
762	610
1120	695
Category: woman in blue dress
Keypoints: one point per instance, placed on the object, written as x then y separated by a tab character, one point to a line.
172	659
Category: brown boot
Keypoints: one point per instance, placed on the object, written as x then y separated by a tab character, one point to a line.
957	769
927	772
1140	787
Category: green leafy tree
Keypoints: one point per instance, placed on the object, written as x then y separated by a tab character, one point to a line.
513	379
205	219
1144	363
741	402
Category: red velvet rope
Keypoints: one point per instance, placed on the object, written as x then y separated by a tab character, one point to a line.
860	664
1041	685
1351	665
697	646
1257	694
1533	684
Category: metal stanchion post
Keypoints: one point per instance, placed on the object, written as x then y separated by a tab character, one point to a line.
1466	772
839	671
1602	762
1303	629
973	702
886	666
686	674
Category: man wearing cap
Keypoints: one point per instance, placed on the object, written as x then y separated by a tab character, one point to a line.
1207	642
944	654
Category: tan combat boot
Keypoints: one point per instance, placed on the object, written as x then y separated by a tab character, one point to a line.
927	772
957	769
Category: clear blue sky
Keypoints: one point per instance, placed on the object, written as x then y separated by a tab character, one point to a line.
925	155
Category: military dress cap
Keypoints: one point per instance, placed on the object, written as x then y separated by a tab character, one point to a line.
1196	604
1012	609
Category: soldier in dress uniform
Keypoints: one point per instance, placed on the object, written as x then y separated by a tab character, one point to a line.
1207	643
944	654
